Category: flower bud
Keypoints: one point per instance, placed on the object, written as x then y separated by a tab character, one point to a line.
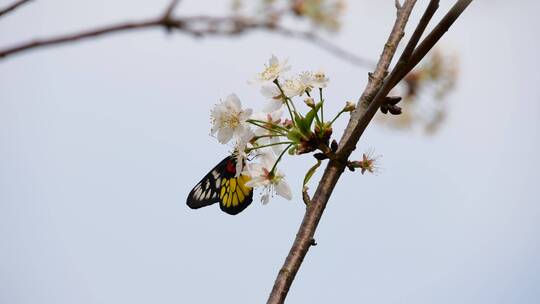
349	106
309	102
320	156
368	163
287	123
334	146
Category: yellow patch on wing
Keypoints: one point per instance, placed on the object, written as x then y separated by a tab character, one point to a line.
234	191
243	179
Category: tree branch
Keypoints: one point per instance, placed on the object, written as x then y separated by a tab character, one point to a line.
40	43
366	109
424	21
197	26
379	84
334	169
436	34
326	45
13	7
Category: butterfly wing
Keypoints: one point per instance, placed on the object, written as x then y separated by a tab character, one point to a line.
221	185
234	195
206	192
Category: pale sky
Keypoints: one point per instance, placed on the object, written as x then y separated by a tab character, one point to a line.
101	141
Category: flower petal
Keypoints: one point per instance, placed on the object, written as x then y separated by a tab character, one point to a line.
272	106
270	90
273	60
224	135
283	190
245	114
256	181
234	100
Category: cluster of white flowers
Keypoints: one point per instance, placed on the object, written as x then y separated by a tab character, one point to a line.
265	135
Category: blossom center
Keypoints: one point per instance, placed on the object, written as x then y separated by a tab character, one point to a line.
270	71
232	122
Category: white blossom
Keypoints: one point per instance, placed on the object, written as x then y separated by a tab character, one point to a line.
314	79
294	87
239	151
273	70
272	182
229	119
272	92
319	79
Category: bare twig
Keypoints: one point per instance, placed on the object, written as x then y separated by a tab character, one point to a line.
413	42
424	21
197	26
371	99
13	7
366	111
40	43
326	45
436	34
334	169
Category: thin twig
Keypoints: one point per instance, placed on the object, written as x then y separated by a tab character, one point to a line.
440	29
40	43
197	26
13	7
334	169
424	21
169	11
413	42
366	111
325	44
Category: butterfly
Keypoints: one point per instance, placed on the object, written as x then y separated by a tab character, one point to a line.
221	185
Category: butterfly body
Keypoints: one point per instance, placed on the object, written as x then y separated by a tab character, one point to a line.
222	185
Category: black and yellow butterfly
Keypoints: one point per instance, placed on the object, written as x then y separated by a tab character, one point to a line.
221	185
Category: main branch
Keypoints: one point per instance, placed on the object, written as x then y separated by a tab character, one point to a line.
379	85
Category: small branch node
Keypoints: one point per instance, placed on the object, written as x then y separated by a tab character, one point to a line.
170	9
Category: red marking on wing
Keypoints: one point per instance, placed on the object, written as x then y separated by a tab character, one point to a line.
231	167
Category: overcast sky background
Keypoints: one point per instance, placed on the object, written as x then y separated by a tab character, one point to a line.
101	141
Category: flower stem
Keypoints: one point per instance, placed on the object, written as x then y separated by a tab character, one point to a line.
273	125
285	101
278	129
290	112
292	104
319	123
322	104
338	115
263	136
279	158
317	119
269	145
